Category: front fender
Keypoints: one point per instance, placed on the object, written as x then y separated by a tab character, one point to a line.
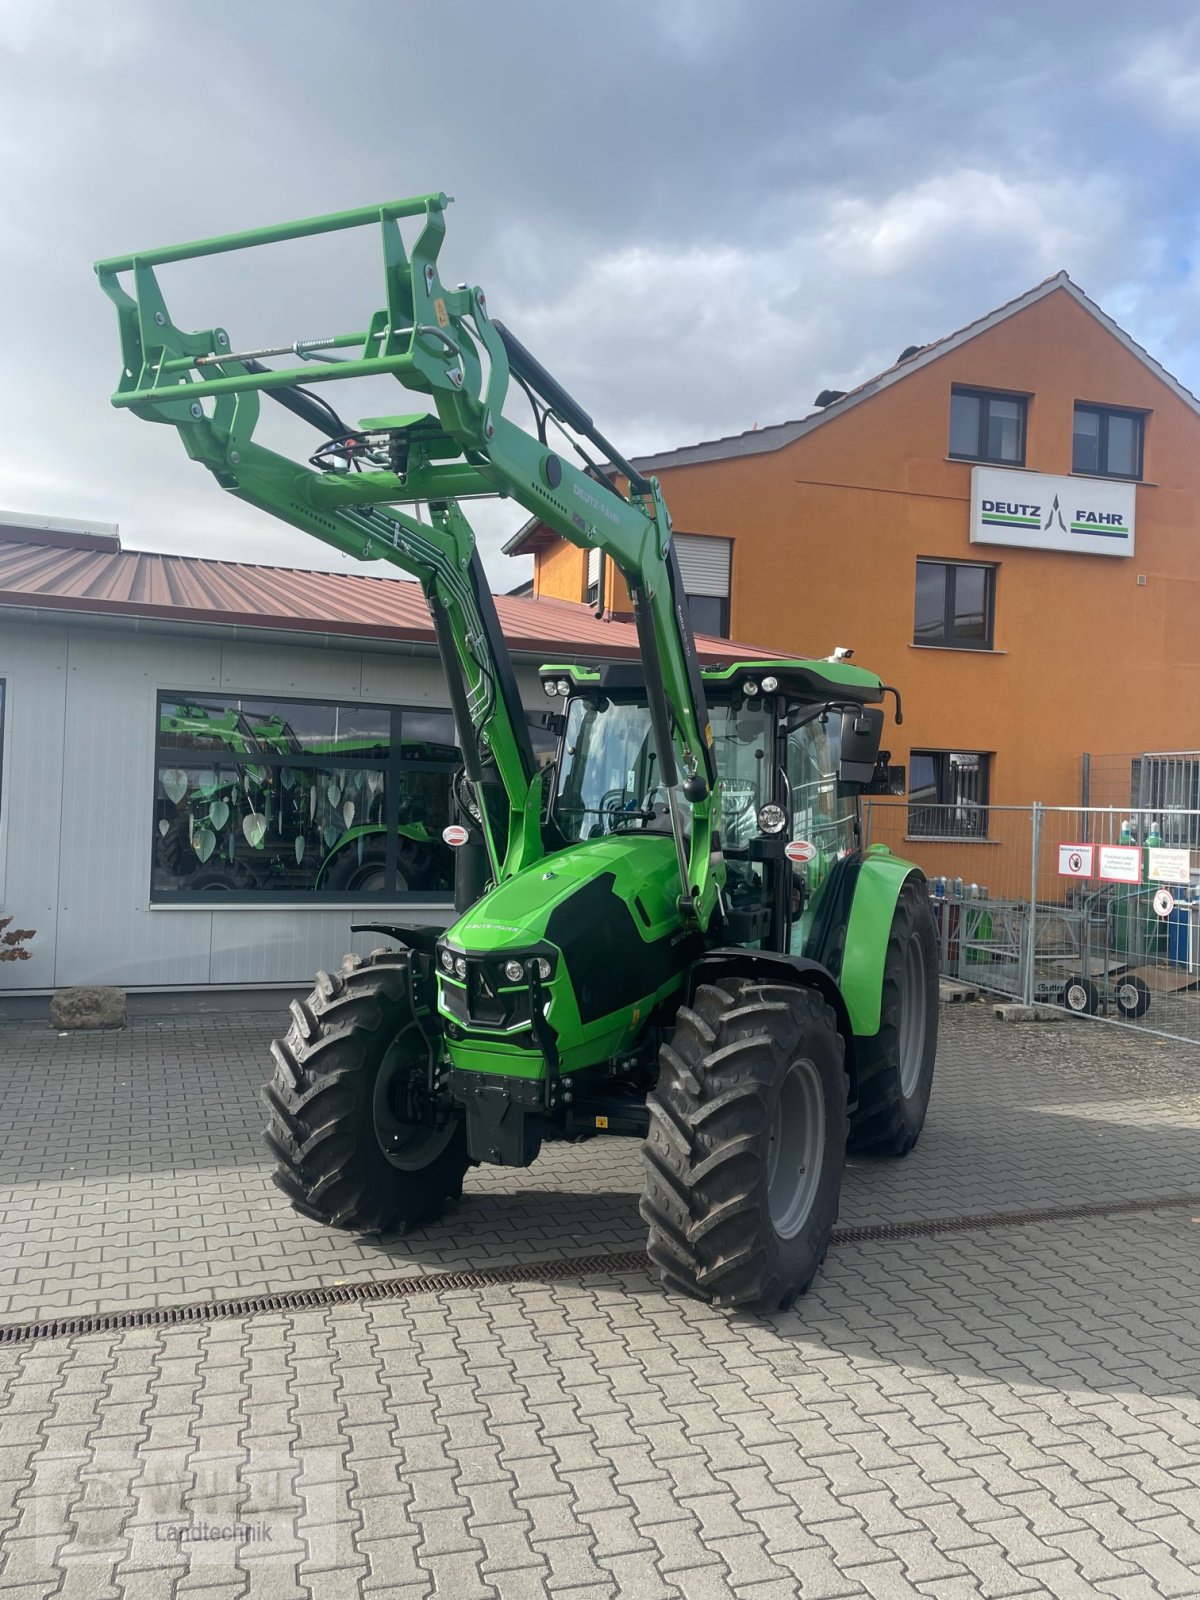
880	880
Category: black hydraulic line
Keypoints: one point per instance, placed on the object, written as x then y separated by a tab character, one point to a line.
528	367
687	639
317	413
468	741
501	665
660	713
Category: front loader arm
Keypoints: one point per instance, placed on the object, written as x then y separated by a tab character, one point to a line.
441	342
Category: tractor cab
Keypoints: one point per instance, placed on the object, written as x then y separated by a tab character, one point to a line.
796	743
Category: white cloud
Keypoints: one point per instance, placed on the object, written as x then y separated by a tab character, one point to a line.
712	214
96	33
1037	224
1162	79
711	339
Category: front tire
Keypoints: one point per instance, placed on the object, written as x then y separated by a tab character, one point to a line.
895	1065
747	1141
348	1151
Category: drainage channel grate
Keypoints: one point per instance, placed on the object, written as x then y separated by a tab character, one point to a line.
570	1267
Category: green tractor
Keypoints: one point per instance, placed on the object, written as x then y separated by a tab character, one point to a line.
671	932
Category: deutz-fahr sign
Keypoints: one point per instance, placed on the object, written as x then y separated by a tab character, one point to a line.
1037	512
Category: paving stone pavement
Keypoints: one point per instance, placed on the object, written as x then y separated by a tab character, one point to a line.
1007	1412
979	1415
132	1172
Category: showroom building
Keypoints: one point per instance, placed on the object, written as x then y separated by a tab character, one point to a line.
209	770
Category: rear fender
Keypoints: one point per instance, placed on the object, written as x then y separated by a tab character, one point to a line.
881	877
770	966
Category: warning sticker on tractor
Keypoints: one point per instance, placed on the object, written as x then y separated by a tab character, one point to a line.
1076	860
1120	863
1170	866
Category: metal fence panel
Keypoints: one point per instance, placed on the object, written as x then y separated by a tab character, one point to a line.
1043	913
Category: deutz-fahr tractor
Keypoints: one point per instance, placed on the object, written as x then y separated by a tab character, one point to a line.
671	933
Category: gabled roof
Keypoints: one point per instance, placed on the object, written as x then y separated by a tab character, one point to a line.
761	441
56	570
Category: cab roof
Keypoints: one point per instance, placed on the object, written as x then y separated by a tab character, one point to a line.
797	676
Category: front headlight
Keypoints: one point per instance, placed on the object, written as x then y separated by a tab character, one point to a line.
447	961
543	968
460	966
771	818
514	971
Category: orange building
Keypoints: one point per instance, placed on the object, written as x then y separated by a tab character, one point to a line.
1004	524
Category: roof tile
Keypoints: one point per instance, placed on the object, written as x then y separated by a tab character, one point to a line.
143	583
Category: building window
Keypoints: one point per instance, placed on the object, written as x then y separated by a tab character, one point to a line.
955	605
592	592
705	565
948	794
987	427
1107	443
298	800
709	614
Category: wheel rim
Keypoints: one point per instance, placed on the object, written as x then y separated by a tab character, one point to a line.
406	1145
796	1149
912	1017
1076	997
1127	997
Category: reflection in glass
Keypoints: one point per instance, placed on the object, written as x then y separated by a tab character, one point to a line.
287	798
1086	449
964	424
1004	430
970	604
929	624
1122	446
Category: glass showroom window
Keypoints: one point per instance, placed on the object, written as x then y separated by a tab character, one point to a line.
300	799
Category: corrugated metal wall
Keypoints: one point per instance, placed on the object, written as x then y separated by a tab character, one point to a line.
77	795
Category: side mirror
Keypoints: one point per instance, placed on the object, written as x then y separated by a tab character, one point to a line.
861	733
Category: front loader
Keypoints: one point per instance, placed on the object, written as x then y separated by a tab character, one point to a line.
672	933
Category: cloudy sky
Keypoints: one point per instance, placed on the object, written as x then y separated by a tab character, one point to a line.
698	213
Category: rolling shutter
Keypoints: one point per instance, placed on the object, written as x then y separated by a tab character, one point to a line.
593	568
704	564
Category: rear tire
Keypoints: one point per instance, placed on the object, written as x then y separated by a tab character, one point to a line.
746	1147
346	1153
895	1065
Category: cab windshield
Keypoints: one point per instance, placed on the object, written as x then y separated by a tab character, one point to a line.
607	778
